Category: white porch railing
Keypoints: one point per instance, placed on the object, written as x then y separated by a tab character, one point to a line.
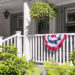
40	53
16	40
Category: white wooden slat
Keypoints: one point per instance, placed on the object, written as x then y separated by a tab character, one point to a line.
60	56
50	54
71	46
44	51
33	48
41	48
7	42
38	48
57	56
67	47
11	41
54	55
4	43
15	41
30	47
74	41
21	46
47	55
64	52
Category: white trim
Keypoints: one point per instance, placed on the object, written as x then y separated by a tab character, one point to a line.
69	10
58	3
5	1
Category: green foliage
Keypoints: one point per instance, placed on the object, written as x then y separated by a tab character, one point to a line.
72	69
51	68
34	71
72	57
11	64
9	49
56	69
43	9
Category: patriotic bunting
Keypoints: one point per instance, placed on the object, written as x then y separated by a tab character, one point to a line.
54	41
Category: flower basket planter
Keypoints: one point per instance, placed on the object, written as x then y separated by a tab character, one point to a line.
40	11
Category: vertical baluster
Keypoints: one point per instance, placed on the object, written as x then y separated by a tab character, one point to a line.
67	47
71	46
47	55
64	52
33	47
50	54
7	42
11	41
36	47
74	42
15	41
39	48
4	43
54	55
30	47
57	56
60	56
44	51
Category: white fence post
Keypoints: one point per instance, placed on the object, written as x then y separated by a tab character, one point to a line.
1	37
19	43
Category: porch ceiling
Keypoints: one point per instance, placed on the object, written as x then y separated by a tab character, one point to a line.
11	5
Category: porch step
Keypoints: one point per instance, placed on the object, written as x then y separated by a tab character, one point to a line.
41	68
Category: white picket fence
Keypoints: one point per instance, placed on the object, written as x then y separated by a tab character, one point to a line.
16	39
40	53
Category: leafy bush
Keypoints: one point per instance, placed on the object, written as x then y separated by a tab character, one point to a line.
72	57
56	69
34	71
11	64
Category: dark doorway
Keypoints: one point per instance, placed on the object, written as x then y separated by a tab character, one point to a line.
71	29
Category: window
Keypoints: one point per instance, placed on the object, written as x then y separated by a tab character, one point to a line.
70	16
43	26
19	22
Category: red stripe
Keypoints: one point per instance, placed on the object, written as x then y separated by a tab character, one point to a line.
53	35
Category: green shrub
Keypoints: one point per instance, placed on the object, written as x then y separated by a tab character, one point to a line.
11	64
57	69
72	57
72	69
51	68
34	71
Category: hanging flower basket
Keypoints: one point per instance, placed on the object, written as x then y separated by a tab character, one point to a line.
43	10
43	18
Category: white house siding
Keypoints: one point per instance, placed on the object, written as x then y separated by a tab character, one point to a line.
4	25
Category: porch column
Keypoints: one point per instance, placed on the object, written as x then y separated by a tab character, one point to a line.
27	21
52	28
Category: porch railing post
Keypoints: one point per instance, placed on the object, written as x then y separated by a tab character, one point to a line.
1	37
27	21
19	43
